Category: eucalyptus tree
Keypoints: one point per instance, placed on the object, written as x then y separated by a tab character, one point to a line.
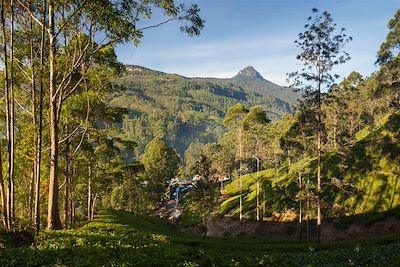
7	88
388	57
390	48
233	120
321	48
254	124
8	29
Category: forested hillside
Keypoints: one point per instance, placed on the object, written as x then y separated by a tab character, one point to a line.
190	110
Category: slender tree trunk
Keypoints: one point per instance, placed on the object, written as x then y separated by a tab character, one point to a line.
31	195
308	212
67	185
240	177
335	132
12	121
263	205
34	122
92	208
40	114
89	196
53	215
7	90
2	189
300	209
8	121
319	148
258	189
72	187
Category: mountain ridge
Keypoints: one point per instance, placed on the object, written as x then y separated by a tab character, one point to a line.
186	110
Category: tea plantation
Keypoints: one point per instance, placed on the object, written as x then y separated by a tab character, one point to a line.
118	238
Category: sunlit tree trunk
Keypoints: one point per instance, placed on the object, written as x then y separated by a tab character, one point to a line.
53	215
258	188
12	123
40	122
6	89
34	117
319	148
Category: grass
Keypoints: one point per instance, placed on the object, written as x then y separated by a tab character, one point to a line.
118	238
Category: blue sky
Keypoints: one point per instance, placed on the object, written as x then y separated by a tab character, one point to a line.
259	33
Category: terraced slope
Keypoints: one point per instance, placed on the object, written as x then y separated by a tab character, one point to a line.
361	178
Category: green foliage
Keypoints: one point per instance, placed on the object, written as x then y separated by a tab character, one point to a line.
199	203
122	239
358	179
160	160
234	116
184	110
161	163
390	47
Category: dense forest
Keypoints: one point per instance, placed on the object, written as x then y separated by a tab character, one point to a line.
83	135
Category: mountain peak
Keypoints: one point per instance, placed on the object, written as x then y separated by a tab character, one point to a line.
249	73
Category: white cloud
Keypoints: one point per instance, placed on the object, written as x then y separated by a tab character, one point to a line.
272	56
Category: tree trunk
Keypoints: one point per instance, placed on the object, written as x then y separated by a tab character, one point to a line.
335	132
258	189
34	122
67	186
300	209
308	212
7	90
2	189
40	111
319	148
240	177
89	196
53	216
92	208
31	195
71	203
12	122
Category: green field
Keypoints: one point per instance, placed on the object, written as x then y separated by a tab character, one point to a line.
118	238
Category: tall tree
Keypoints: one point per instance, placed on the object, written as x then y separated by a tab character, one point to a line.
254	124
233	120
321	49
6	87
161	163
388	57
390	48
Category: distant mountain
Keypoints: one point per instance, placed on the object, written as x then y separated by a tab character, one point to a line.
248	73
187	110
252	81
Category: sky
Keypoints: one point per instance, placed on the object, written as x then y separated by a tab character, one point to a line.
258	33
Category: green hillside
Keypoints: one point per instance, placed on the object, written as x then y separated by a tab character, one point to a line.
361	178
188	110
